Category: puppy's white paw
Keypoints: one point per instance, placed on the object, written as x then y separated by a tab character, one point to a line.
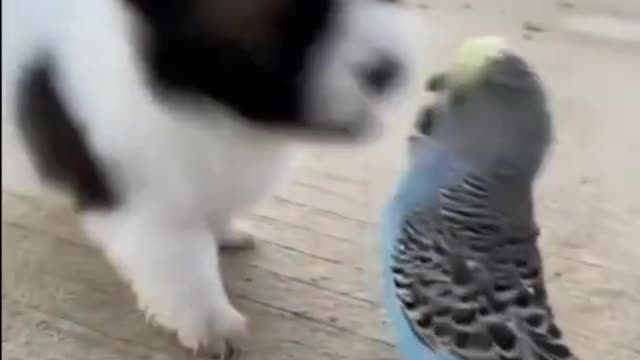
236	239
174	271
218	334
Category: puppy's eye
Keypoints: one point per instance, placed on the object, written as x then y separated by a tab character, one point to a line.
380	75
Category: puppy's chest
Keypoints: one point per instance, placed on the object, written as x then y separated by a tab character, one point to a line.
230	166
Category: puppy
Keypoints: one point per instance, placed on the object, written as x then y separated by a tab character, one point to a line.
162	119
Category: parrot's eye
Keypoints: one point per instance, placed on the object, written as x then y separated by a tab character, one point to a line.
437	82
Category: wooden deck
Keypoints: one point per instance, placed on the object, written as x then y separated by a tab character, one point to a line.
311	288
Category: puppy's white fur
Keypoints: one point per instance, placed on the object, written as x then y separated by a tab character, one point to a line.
181	175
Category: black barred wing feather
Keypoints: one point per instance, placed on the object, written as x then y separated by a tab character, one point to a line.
472	285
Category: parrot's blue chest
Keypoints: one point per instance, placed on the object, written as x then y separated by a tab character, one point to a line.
417	189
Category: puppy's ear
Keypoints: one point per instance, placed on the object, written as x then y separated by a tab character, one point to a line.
250	23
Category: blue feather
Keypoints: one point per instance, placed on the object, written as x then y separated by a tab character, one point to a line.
417	188
463	276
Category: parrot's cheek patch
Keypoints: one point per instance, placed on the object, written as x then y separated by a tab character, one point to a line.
426	120
417	144
413	142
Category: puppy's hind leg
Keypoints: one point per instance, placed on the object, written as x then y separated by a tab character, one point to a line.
171	262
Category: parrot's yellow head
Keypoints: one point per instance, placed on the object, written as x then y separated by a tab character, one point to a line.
492	110
474	58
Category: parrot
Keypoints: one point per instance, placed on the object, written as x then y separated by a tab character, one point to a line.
463	273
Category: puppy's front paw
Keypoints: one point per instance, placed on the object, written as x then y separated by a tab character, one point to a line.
236	239
219	334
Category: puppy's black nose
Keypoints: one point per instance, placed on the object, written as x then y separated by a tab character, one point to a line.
380	75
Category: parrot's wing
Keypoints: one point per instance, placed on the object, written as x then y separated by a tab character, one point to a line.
469	285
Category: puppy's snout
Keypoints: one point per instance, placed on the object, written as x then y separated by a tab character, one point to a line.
379	76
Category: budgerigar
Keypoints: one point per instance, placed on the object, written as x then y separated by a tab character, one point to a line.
463	271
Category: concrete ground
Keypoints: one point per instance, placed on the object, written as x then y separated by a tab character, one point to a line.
312	286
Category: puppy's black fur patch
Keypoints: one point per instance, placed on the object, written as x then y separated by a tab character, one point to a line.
184	55
57	147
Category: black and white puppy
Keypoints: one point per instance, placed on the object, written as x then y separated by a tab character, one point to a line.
163	118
